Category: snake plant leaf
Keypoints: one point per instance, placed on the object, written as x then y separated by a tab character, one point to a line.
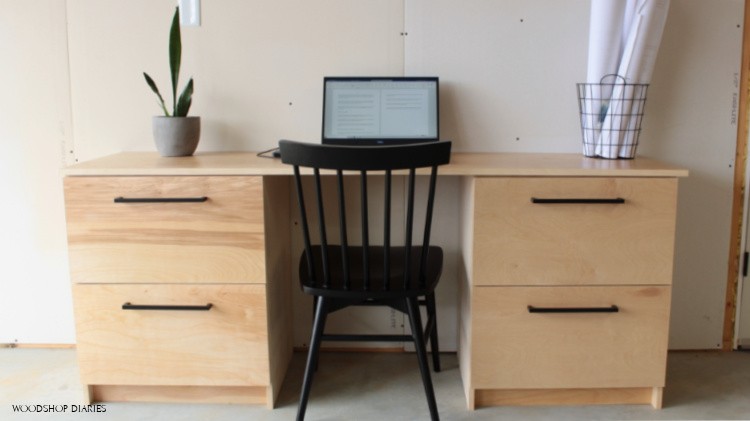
152	84
186	98
175	54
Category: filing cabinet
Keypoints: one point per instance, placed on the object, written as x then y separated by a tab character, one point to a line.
169	284
566	289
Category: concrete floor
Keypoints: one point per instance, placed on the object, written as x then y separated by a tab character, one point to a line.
379	386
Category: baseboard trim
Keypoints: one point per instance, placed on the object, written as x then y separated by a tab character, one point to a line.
39	346
534	397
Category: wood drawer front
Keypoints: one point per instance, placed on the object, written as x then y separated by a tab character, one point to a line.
517	242
220	240
515	349
226	345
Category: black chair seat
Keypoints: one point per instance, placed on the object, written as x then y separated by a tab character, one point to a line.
375	286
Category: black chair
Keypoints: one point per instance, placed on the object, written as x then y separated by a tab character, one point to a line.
339	275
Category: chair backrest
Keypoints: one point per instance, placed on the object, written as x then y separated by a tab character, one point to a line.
362	161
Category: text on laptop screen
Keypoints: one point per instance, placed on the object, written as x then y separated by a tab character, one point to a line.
379	110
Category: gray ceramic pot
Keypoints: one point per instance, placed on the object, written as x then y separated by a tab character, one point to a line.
176	136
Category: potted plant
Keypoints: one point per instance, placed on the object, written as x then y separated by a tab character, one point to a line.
175	134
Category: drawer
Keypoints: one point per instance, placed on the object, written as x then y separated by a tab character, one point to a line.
217	239
518	242
514	348
225	345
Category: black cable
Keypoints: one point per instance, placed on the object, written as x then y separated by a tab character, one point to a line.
263	154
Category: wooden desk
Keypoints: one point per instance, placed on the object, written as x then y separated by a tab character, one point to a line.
230	251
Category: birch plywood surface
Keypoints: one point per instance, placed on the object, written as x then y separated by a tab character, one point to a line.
476	164
224	346
219	240
515	349
518	242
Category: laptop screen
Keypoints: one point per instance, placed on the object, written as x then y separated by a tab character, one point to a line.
380	110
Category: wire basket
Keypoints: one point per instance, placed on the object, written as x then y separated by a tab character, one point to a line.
611	115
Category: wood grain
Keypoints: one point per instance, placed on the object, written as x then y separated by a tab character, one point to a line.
220	240
738	192
517	242
472	164
277	196
225	346
602	396
177	394
515	349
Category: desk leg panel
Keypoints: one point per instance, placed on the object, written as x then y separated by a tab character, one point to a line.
276	193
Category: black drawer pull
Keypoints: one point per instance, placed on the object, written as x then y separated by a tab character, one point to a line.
616	200
200	199
129	306
610	309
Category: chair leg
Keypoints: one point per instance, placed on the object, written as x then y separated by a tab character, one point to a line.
432	314
321	312
416	330
316	299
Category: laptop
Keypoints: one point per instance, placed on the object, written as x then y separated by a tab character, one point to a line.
380	110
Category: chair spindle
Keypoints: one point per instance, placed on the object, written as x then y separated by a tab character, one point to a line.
427	227
322	226
365	233
305	228
342	230
387	232
409	225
